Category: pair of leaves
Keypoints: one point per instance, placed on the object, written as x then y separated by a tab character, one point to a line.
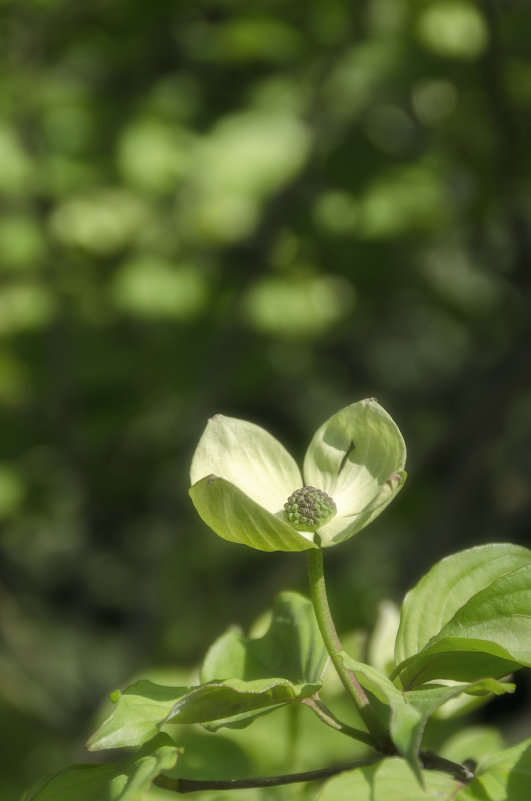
469	617
242	678
406	713
127	781
502	776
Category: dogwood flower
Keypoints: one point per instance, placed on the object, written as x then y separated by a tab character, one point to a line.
248	488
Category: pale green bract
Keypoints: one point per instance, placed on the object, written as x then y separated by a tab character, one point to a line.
242	476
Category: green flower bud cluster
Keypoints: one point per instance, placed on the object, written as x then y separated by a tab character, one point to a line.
309	508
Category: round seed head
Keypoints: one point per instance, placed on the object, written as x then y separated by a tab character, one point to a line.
308	508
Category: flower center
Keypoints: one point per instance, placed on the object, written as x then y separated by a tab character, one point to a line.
308	508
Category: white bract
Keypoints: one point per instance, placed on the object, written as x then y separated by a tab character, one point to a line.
242	476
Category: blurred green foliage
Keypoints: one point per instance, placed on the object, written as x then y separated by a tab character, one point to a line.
268	210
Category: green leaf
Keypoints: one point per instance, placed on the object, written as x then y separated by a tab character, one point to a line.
235	517
410	711
447	587
505	776
292	647
403	720
454	623
127	781
407	729
380	648
472	742
388	780
140	711
219	701
358	458
144	707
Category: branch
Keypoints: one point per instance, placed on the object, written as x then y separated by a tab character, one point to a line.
195	785
456	769
429	762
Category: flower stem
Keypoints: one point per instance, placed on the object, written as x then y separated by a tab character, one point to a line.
334	648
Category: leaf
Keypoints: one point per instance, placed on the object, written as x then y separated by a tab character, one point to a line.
140	711
388	780
144	707
454	622
447	587
504	776
237	518
409	711
407	732
292	647
241	678
217	701
472	742
380	648
357	456
402	720
127	781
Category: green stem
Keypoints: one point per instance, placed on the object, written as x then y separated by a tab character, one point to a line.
334	648
327	716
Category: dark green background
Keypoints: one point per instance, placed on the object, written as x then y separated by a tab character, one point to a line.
270	210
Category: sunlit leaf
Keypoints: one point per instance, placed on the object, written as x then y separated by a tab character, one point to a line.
472	742
127	781
469	617
503	776
217	701
409	712
380	648
292	647
140	711
389	780
144	707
